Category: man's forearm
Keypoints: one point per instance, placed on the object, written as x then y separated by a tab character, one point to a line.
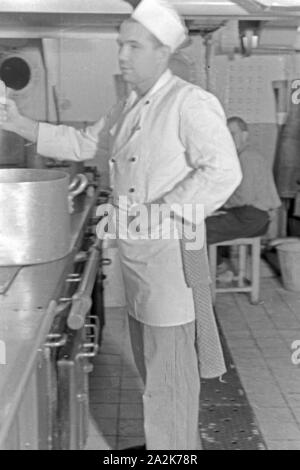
27	128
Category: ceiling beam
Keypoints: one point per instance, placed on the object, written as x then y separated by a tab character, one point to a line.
251	6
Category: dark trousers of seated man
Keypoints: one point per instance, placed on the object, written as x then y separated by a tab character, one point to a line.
237	222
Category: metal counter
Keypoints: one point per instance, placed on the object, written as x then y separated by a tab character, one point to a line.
26	314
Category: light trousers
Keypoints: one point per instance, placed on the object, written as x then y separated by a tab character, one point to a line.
167	362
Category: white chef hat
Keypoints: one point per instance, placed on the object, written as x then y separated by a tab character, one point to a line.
162	20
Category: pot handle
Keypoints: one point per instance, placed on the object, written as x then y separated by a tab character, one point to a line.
78	185
82	182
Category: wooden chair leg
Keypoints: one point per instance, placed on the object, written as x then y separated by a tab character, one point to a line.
213	270
242	265
255	271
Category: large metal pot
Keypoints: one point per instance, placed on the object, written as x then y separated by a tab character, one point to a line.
34	216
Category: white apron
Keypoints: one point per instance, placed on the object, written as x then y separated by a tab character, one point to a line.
153	276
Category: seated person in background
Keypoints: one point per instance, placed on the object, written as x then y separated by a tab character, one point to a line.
247	212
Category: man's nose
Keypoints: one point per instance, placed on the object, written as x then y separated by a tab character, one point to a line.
123	53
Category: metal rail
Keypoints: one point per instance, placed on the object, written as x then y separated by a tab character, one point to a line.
81	300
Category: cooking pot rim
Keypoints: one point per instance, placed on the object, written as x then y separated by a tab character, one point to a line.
29	175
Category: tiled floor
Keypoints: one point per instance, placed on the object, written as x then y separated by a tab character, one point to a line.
115	390
259	338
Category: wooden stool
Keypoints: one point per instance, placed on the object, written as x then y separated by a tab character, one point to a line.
242	244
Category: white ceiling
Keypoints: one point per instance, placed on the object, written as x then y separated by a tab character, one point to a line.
186	7
280	3
48	18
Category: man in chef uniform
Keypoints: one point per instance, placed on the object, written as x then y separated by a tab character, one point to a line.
166	143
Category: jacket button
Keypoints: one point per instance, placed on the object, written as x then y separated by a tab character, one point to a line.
131	190
112	160
147	102
133	159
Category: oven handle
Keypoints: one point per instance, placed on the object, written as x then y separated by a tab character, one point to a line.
81	304
81	300
94	327
90	348
89	353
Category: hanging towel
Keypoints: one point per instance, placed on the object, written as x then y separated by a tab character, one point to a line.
196	271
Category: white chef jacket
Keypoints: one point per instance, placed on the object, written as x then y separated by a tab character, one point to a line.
172	143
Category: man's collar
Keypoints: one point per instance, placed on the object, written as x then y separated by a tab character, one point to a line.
162	80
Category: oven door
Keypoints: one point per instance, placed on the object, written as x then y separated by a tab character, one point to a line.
73	367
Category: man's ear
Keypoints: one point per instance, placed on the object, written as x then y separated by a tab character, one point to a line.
165	53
